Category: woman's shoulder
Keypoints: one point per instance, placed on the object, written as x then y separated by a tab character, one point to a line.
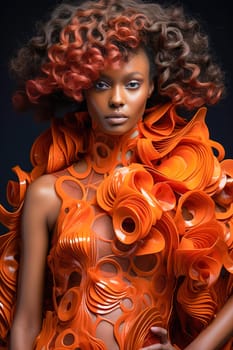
41	196
42	184
45	186
42	191
46	182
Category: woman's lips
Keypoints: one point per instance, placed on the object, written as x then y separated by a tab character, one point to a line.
116	119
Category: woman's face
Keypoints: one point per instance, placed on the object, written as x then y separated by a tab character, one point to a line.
118	98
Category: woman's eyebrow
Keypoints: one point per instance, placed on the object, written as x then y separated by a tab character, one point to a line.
126	76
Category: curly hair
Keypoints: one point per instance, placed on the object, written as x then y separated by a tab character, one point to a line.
75	44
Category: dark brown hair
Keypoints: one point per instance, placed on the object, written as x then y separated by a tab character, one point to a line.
74	45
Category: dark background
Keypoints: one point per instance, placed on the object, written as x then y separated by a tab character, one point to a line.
17	21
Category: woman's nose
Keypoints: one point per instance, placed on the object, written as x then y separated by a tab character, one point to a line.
117	98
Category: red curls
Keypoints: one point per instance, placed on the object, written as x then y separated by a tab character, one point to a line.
83	51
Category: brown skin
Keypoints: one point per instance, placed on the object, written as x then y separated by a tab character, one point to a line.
128	90
118	98
218	332
118	92
41	208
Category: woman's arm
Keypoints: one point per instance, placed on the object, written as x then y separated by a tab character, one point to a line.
37	221
218	332
214	337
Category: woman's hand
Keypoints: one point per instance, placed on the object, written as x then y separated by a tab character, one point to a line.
161	334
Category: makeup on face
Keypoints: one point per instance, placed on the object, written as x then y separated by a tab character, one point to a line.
117	100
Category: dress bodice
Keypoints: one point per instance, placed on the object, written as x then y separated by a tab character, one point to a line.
143	235
100	281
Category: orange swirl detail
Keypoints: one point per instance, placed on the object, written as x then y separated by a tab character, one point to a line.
145	226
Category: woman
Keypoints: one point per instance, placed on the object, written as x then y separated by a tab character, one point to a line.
123	226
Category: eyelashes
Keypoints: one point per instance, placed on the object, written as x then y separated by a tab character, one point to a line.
133	84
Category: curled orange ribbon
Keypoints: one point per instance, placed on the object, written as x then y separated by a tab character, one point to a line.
200	254
194	208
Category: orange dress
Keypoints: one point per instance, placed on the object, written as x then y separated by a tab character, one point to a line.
143	238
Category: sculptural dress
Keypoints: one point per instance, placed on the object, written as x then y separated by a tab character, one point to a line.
143	237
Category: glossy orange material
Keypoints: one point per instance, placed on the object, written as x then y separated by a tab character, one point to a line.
143	235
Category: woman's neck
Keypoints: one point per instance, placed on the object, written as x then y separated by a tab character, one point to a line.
110	151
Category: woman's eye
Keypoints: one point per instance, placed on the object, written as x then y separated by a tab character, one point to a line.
134	84
101	85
